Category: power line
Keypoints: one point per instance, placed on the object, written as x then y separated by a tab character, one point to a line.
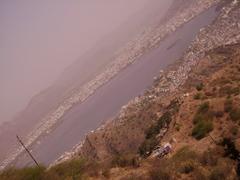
20	141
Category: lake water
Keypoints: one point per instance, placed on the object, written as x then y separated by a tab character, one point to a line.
108	99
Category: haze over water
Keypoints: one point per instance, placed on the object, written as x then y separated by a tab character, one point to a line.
39	39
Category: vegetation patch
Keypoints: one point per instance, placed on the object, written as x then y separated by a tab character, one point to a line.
188	163
151	141
125	160
148	146
198	96
200	86
183	162
202	121
29	173
177	126
187	167
201	129
203	108
163	121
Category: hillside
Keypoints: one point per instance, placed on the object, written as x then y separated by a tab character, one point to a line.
126	131
194	106
198	119
83	70
37	124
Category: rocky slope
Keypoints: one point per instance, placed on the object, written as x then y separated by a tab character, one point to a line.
126	132
193	105
206	114
146	41
200	120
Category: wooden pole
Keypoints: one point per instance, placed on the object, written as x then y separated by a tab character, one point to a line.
27	150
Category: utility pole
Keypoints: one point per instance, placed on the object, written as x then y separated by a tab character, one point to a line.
20	141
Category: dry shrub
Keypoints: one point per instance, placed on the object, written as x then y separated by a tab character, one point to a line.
187	167
159	174
125	160
209	158
200	174
222	170
182	162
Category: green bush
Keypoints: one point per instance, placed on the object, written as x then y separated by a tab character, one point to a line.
203	108
150	135
199	117
203	121
187	167
201	129
148	146
178	127
199	86
197	96
154	130
203	113
150	142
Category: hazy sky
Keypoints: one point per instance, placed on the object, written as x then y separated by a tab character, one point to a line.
39	38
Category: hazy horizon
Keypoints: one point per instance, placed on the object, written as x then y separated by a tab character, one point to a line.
40	39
